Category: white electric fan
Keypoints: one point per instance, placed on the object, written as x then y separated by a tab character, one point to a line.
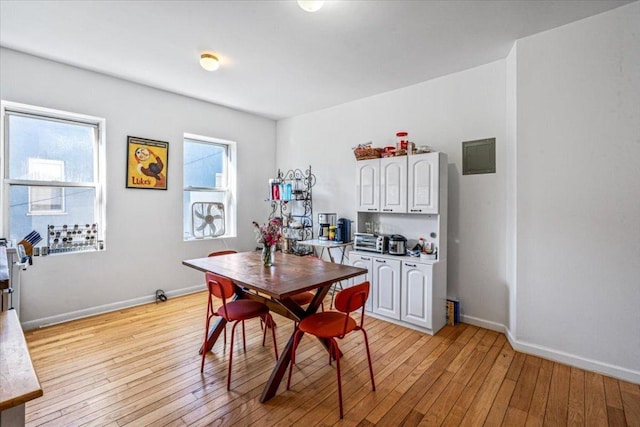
207	219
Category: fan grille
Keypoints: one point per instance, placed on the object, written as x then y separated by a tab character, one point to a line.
207	219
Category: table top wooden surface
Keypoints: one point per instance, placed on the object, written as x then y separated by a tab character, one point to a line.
19	380
290	275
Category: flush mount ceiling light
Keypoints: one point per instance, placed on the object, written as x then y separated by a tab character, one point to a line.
310	5
209	62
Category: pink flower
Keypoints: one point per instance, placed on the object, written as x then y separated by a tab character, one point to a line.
268	234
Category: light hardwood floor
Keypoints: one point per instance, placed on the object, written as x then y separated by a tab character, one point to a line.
140	366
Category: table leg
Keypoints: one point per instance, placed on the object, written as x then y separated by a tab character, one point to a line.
214	333
280	369
342	255
278	372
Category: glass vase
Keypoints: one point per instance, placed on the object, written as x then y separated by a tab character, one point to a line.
268	255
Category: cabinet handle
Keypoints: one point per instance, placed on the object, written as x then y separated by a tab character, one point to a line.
410	265
380	260
387	210
373	209
416	210
365	259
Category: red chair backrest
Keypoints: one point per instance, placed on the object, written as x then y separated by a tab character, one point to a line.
221	287
353	298
226	252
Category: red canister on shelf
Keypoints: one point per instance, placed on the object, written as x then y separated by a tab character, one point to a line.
403	140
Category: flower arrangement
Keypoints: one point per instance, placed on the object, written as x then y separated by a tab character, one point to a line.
269	234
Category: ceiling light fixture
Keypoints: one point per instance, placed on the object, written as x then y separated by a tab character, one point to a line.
209	62
310	5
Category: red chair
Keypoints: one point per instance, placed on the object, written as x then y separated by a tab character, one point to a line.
330	325
234	311
227	252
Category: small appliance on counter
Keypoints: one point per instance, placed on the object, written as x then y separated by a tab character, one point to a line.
397	245
370	242
325	222
343	232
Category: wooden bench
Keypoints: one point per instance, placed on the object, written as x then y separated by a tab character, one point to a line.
20	383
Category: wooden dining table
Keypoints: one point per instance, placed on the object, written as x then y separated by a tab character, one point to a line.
290	275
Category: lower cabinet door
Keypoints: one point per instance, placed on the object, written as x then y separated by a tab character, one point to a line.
386	287
362	261
417	288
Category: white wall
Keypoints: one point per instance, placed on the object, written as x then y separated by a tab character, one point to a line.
578	207
144	227
547	248
440	113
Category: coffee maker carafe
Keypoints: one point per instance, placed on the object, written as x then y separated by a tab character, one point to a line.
325	221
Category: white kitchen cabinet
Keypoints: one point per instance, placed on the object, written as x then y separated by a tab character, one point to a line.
385	281
423	183
368	185
404	290
362	261
417	294
402	184
393	184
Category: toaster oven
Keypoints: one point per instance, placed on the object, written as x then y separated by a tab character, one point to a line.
370	242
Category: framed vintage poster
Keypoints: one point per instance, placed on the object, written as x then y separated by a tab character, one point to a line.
147	163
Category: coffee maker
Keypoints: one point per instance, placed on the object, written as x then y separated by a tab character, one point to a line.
325	222
343	233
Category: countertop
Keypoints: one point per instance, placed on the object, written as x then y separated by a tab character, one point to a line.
20	383
402	258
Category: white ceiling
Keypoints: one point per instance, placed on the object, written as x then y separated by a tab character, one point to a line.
277	60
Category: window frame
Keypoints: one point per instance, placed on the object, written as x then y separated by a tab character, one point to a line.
8	108
230	200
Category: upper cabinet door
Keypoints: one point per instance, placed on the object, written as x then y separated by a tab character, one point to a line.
368	185
393	184
423	183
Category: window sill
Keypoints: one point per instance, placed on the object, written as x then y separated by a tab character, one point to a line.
198	239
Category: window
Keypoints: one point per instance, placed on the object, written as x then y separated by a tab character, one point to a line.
46	200
209	188
53	172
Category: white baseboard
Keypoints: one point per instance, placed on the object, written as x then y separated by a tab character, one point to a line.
557	355
79	314
494	326
579	361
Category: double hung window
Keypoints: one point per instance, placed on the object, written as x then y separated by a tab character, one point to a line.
53	173
209	176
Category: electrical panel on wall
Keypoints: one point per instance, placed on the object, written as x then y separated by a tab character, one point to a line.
479	156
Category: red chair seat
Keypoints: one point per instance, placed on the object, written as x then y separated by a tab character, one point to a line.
328	324
242	310
302	298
